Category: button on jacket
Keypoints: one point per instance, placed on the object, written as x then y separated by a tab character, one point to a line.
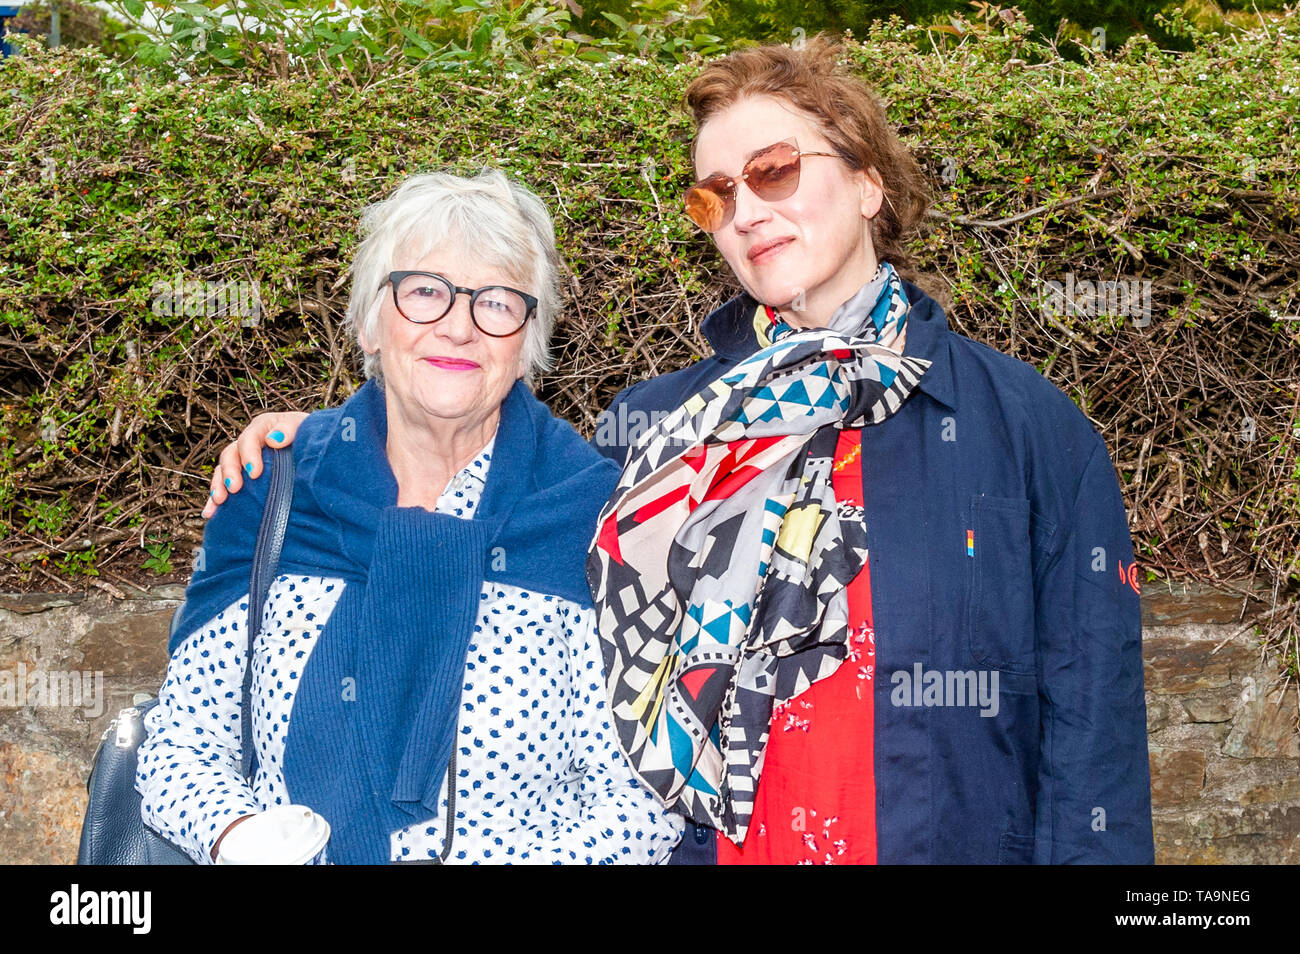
998	547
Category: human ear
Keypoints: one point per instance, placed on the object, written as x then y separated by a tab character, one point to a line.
871	191
363	339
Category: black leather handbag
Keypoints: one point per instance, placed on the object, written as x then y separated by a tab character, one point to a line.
113	832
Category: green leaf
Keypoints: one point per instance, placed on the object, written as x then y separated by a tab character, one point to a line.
418	40
153	54
135	8
480	38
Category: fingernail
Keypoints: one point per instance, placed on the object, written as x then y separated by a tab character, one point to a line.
248	468
227	483
276	436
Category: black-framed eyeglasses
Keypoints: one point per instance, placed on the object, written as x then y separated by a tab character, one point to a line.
425	297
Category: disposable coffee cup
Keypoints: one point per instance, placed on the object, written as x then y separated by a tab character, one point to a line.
283	835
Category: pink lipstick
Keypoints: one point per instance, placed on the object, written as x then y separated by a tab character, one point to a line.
452	364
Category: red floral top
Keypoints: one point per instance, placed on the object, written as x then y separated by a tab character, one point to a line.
816	799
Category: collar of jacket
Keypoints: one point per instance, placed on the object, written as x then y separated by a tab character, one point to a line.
729	329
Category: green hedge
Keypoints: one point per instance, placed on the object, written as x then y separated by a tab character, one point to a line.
1138	164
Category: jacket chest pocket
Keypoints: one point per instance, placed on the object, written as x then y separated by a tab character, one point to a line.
1000	617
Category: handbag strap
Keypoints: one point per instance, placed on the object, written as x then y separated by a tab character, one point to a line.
266	558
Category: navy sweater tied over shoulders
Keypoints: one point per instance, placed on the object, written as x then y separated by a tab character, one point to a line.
375	712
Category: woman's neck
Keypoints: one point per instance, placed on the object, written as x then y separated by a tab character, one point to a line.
425	455
816	309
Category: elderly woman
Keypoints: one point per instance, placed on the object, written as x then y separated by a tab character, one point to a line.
880	606
430	639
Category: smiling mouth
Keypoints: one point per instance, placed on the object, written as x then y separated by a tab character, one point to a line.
764	252
452	364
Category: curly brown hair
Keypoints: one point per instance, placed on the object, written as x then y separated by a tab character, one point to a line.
844	108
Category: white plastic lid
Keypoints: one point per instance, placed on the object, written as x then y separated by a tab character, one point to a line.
283	835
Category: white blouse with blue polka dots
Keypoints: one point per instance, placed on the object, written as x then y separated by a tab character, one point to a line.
539	774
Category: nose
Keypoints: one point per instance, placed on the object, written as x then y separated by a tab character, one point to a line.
750	209
457	326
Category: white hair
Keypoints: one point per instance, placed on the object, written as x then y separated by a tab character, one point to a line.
509	229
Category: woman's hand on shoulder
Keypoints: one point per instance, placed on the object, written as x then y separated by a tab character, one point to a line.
244	456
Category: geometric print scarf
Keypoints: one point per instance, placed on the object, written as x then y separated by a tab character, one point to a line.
720	565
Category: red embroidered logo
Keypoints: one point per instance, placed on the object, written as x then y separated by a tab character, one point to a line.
1131	577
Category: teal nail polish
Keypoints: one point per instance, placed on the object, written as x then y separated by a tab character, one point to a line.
248	468
227	483
277	437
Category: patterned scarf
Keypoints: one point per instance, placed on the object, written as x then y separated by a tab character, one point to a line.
720	564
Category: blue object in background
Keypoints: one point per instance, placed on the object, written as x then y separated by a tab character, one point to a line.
5	13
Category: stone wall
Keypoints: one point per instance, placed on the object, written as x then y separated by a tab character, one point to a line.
45	751
1224	755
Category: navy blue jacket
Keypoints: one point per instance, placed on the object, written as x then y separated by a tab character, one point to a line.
1047	597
